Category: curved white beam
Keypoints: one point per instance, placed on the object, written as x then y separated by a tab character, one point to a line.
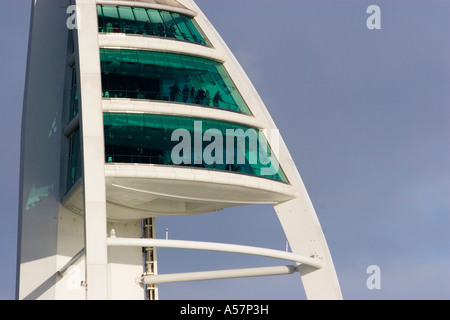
214	246
178	109
219	274
190	198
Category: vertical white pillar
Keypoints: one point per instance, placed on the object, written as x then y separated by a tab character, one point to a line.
41	152
93	149
305	236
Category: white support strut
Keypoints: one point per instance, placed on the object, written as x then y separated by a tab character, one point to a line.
213	246
219	274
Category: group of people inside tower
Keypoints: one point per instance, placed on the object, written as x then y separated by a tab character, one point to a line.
192	95
150	29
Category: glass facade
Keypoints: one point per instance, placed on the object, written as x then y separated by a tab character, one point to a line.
74	162
149	22
177	78
163	139
168	77
73	107
183	141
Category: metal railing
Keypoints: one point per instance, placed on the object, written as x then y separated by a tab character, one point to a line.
167	97
142	29
143	159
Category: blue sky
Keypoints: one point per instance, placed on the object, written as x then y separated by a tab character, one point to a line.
366	116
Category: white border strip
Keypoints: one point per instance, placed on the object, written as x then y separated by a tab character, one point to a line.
125	105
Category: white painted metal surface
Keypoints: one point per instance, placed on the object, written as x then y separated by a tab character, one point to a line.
214	246
220	274
38	252
92	145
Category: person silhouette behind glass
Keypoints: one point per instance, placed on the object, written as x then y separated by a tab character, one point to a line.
116	27
160	30
174	92
185	93
109	27
193	95
217	99
148	28
207	98
200	97
170	32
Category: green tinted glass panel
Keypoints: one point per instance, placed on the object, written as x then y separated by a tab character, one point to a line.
168	77
149	22
73	108
208	144
126	15
140	14
74	161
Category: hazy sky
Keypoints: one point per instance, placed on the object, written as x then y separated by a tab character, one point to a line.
366	116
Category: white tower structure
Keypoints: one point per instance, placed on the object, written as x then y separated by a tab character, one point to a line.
135	110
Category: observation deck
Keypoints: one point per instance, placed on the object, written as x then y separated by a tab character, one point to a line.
136	191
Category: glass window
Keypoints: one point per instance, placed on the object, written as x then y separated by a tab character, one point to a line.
127	20
168	77
73	109
142	22
157	139
149	22
108	19
74	161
